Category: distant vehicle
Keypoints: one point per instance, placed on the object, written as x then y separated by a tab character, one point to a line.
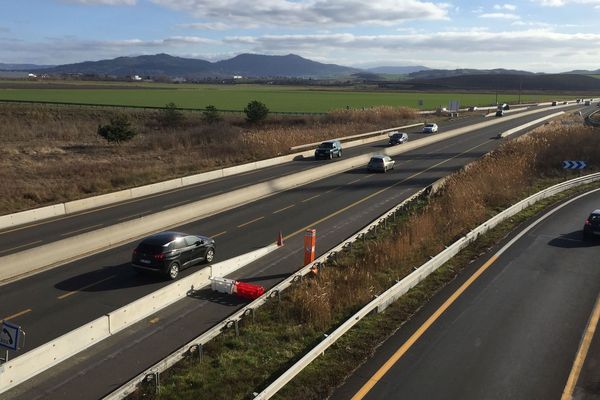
564	102
500	113
398	138
503	106
329	149
553	103
587	103
430	128
168	253
380	163
474	108
591	226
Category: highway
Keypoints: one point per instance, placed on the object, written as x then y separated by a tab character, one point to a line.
54	302
31	235
513	333
20	238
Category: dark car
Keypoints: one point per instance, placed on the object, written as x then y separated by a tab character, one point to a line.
500	113
170	252
329	149
398	138
591	227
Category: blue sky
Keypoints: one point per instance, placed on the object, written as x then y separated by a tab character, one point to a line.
536	35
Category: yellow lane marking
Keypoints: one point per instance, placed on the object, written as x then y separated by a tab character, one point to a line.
310	198
82	229
584	347
154	320
16	315
333	214
249	222
283	209
18	247
218	234
63	296
422	329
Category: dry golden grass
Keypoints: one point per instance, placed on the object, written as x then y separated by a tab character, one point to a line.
468	198
52	154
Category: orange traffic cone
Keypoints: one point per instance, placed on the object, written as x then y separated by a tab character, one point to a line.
280	239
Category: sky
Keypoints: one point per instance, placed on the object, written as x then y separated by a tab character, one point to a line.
533	35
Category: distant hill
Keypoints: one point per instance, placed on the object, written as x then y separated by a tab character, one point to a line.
397	70
444	73
513	82
583	72
247	65
22	67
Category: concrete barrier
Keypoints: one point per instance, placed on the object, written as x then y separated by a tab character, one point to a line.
33	362
529	124
233	264
29	216
56	253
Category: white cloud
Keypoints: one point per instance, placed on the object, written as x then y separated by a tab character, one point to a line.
214	26
103	2
499	16
510	7
310	13
560	3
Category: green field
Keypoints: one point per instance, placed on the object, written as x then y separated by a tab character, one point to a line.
235	97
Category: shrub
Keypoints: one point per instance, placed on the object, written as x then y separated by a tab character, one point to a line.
210	115
256	111
170	116
119	130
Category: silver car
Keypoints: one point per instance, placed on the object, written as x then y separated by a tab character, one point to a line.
430	128
380	163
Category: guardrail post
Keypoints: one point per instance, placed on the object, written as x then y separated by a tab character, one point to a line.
237	328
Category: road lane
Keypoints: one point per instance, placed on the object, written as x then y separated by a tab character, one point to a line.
513	333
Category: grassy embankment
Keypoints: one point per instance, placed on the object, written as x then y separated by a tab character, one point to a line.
52	154
234	367
236	97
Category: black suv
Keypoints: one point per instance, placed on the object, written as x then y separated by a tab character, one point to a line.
591	227
170	252
329	149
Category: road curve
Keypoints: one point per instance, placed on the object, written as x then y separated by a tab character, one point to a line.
512	334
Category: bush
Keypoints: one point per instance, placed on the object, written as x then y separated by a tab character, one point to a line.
210	115
170	116
119	130
256	111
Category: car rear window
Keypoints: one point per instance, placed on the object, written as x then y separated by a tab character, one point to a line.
327	145
429	126
376	160
147	248
397	135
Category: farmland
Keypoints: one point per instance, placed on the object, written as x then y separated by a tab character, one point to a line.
235	97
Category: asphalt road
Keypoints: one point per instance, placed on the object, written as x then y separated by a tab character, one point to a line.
54	302
512	334
20	238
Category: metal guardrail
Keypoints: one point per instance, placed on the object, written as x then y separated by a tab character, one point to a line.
591	120
194	347
381	302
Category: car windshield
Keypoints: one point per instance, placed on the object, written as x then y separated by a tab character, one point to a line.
397	135
428	125
327	145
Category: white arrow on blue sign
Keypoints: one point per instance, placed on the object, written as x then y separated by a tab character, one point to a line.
574	164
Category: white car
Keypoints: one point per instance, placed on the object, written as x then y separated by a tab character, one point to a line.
380	163
430	128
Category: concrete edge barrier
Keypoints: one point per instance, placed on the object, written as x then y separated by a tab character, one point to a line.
41	358
56	253
512	110
529	124
399	289
29	216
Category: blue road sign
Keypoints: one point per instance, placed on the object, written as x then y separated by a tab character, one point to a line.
9	336
574	164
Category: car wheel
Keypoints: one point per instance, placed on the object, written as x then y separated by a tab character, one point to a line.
330	156
340	154
173	271
210	255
